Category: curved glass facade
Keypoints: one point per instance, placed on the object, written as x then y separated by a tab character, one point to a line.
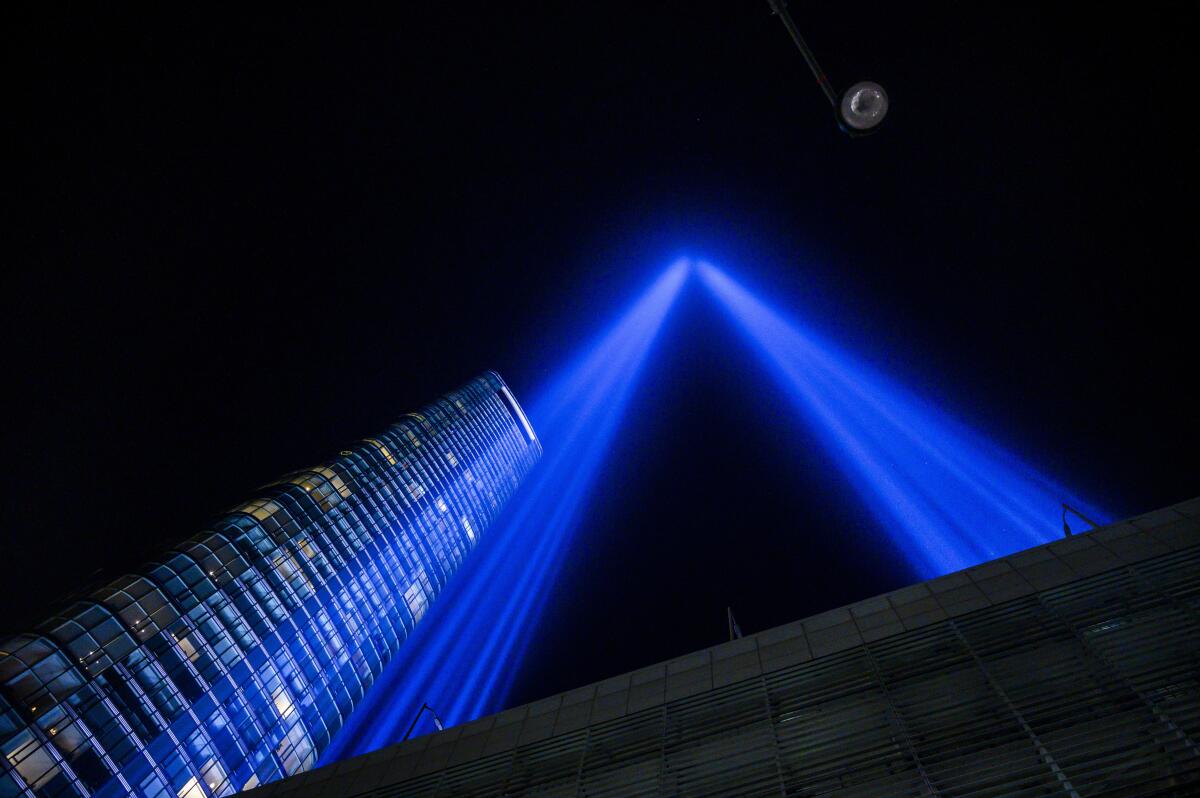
233	658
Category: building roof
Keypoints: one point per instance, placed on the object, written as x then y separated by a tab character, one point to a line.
988	585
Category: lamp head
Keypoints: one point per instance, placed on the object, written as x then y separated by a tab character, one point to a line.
863	107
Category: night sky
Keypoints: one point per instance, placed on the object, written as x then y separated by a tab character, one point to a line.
239	243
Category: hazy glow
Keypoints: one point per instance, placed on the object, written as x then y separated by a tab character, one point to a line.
463	657
948	497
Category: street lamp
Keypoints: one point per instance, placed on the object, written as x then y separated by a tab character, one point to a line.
864	105
436	720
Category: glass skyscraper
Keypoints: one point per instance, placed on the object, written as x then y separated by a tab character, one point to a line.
232	659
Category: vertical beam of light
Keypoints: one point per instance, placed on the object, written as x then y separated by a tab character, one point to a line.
948	497
462	658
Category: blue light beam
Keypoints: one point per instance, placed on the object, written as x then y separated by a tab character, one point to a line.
948	497
463	657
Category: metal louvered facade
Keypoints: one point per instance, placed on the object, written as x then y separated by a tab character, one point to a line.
1071	669
233	658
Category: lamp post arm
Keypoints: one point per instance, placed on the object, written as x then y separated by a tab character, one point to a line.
780	8
1066	508
416	717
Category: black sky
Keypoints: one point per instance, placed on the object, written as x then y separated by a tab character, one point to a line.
237	243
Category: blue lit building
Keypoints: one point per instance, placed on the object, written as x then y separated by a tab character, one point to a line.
233	658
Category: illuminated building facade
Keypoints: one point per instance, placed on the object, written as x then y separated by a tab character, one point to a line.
233	658
1068	669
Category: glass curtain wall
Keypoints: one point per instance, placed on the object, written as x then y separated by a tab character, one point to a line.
233	658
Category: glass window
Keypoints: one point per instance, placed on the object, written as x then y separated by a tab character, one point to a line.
283	702
416	599
31	759
383	450
191	789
